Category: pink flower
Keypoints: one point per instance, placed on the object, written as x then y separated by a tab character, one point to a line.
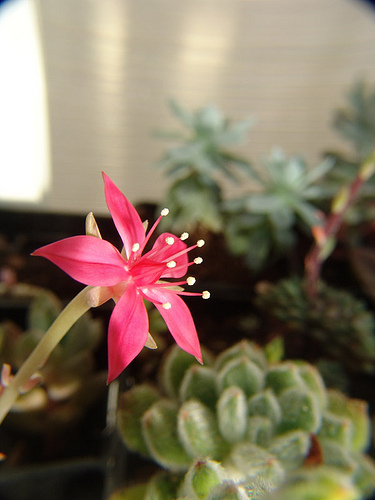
129	277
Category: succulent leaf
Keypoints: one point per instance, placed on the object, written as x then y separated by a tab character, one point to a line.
199	383
241	373
278	431
132	405
199	432
232	414
159	424
300	410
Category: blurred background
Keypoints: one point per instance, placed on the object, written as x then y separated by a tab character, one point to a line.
84	86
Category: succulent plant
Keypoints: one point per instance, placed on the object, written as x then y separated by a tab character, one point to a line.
341	323
261	225
356	122
195	195
69	381
241	427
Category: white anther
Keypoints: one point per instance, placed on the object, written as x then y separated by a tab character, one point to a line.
198	260
164	212
206	295
167	305
184	236
169	240
135	247
171	264
200	243
191	280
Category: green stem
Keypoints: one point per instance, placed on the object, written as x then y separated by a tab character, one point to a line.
62	324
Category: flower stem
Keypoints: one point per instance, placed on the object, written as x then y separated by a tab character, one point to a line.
62	324
340	205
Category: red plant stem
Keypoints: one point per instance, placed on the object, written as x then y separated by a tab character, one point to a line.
316	256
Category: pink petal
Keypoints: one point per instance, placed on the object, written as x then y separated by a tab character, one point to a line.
162	251
178	319
124	215
146	272
127	331
87	259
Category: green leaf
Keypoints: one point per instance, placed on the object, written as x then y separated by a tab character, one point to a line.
241	373
232	414
162	486
300	410
199	383
136	492
174	367
265	404
198	431
159	425
291	448
132	405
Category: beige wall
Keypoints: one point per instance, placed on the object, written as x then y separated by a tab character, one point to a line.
112	65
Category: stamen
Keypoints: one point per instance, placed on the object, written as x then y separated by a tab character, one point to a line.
184	251
169	240
184	236
206	294
198	260
171	264
167	305
135	247
163	213
191	280
200	243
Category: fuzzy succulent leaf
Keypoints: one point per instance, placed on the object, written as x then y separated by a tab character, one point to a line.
228	491
132	405
159	425
199	383
254	463
244	348
232	414
162	486
321	483
173	370
199	432
291	447
260	431
357	411
337	428
241	373
300	410
265	404
201	478
283	376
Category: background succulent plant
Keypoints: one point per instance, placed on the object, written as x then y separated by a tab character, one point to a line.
356	121
70	382
261	225
196	164
342	326
240	427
